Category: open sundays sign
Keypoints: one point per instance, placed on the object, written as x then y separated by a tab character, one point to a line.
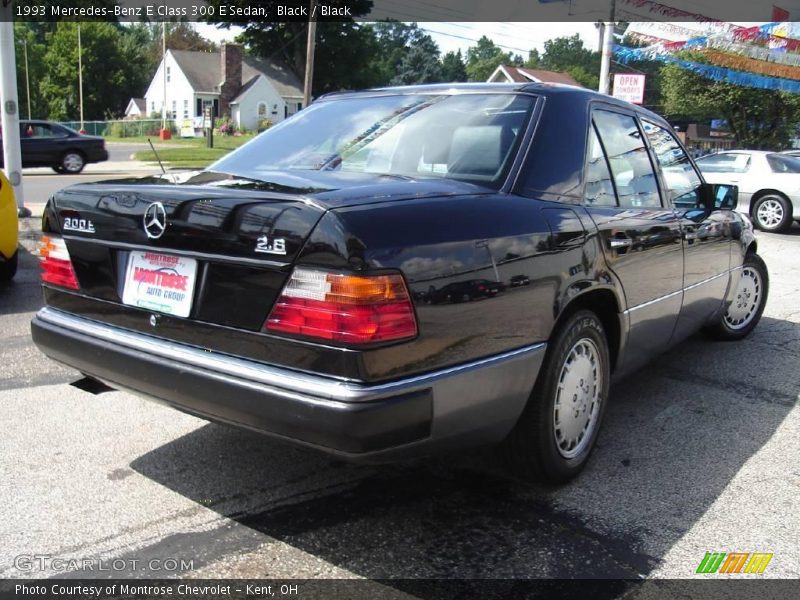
629	87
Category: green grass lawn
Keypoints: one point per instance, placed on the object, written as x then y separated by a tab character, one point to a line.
191	152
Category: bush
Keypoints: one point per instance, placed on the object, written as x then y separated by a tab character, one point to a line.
264	124
225	126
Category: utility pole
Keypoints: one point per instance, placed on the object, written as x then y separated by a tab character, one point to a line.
80	77
164	77
607	51
9	118
310	45
27	77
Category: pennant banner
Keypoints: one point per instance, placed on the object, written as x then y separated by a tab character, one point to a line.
741	40
722	74
743	63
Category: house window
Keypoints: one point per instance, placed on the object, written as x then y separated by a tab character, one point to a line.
299	106
185	109
152	107
199	108
262	110
174	109
169	77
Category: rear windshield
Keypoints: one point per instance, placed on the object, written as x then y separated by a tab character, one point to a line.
782	163
470	137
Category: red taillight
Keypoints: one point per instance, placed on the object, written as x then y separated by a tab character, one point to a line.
356	309
55	262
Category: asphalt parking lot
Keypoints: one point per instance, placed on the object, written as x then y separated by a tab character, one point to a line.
700	452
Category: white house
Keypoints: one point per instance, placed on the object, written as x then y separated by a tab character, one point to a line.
510	73
243	87
136	109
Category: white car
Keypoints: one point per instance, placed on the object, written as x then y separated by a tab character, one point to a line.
769	184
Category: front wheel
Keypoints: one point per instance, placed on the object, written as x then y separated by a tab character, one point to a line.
557	431
747	306
772	213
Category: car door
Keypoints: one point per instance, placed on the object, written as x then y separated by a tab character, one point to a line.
707	233
39	144
640	236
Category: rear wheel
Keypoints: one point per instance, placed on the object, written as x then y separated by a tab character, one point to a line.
9	268
72	162
772	213
748	303
557	431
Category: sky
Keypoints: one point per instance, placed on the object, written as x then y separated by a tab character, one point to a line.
518	38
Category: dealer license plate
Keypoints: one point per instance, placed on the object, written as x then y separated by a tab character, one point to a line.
160	282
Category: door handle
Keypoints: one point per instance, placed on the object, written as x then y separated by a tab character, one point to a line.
617	243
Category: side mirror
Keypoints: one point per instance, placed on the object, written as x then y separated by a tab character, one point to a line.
719	196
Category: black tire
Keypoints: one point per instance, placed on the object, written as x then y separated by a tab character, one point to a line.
750	297
9	268
772	212
533	448
72	162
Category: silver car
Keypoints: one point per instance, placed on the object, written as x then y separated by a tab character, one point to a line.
769	184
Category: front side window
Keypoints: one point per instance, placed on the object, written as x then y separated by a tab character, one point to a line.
681	180
471	137
630	163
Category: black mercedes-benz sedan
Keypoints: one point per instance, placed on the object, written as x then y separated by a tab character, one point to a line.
46	144
287	288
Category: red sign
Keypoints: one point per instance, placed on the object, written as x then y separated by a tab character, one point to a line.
629	87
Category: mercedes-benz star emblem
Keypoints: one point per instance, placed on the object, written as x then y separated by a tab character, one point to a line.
155	220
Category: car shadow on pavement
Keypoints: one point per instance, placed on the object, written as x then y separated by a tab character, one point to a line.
24	292
675	436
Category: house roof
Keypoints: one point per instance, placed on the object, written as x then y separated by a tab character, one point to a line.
524	75
204	72
244	89
139	103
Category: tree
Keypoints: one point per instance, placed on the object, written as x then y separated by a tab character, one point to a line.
419	65
30	36
453	68
403	47
484	57
110	74
759	119
344	49
568	55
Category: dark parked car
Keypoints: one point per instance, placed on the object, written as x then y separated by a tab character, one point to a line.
275	290
464	291
519	280
46	144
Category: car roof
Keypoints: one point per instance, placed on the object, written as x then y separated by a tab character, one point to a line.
540	89
758	152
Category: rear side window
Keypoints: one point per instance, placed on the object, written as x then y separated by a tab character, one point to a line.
630	164
724	163
681	180
599	190
783	164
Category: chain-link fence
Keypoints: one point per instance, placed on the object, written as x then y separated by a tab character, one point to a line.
122	128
